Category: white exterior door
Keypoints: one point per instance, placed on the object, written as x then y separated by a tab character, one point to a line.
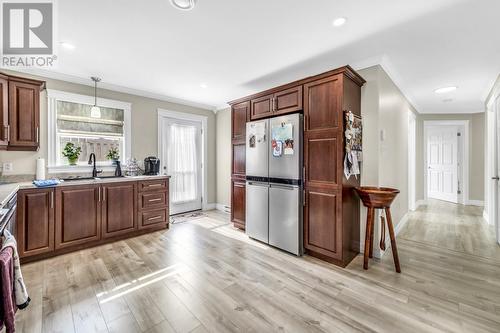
182	159
442	163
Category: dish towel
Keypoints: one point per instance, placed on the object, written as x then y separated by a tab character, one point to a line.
7	307
20	291
46	183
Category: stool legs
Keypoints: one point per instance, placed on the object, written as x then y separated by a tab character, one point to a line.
368	236
393	240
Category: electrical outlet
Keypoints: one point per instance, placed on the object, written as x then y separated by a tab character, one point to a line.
7	167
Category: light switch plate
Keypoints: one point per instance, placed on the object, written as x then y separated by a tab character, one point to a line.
7	167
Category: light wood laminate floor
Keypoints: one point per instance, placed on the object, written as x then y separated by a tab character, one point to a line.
206	276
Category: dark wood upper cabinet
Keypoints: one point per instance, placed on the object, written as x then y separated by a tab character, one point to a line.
323	103
262	107
118	208
35	222
4	111
78	215
24	114
239	117
279	103
287	101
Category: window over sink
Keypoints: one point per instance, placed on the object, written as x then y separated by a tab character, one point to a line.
70	120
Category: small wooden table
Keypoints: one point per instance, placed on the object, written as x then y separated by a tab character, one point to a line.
378	198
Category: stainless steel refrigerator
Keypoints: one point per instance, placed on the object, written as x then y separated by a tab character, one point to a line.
274	182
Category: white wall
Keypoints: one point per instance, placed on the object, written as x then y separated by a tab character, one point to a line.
385	162
223	153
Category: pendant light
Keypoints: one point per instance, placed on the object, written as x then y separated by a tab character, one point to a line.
95	111
183	4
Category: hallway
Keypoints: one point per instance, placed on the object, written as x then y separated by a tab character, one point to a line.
453	227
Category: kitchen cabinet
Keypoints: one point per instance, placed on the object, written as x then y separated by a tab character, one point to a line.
24	114
331	209
4	111
118	208
19	113
78	215
238	198
71	217
240	114
282	102
153	204
35	222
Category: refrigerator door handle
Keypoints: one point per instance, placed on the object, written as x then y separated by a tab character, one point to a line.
285	187
252	183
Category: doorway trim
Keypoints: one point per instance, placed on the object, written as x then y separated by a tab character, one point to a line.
465	155
412	158
162	113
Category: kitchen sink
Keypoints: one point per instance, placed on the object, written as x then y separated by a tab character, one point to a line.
70	179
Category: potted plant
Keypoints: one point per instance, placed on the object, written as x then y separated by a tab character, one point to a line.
113	155
71	152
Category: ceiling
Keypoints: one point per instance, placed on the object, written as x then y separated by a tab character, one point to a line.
237	47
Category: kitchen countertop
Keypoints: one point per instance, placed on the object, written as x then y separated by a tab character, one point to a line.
7	191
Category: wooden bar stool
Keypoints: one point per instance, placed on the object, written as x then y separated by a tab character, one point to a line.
378	198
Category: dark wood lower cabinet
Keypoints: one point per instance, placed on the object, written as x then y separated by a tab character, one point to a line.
71	217
238	203
78	215
35	222
323	224
118	209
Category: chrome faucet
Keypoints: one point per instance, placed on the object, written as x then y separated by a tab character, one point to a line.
92	162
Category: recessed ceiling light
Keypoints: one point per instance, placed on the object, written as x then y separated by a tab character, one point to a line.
445	90
203	85
183	4
340	21
67	46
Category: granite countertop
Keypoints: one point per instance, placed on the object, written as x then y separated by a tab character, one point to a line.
7	191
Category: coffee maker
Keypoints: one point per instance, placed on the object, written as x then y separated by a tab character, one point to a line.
151	166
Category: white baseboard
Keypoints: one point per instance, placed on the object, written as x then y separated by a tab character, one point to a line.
479	203
223	208
209	206
420	203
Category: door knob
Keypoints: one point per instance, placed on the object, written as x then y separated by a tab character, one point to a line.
495	178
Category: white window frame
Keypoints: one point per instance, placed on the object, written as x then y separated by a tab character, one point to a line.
56	95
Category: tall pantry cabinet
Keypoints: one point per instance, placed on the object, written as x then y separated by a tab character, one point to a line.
331	208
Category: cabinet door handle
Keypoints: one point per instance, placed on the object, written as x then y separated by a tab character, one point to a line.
155	217
99	193
155	185
7	133
103	194
275	102
52	199
153	200
304	198
37	134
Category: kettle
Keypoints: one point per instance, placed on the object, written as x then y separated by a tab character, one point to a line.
151	166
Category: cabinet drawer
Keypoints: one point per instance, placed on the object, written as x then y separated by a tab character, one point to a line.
152	200
152	185
152	218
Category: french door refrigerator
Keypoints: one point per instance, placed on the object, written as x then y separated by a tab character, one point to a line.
273	182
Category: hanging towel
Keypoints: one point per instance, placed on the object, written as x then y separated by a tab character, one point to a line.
20	291
7	305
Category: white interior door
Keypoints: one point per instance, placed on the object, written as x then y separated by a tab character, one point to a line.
442	163
496	162
182	160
